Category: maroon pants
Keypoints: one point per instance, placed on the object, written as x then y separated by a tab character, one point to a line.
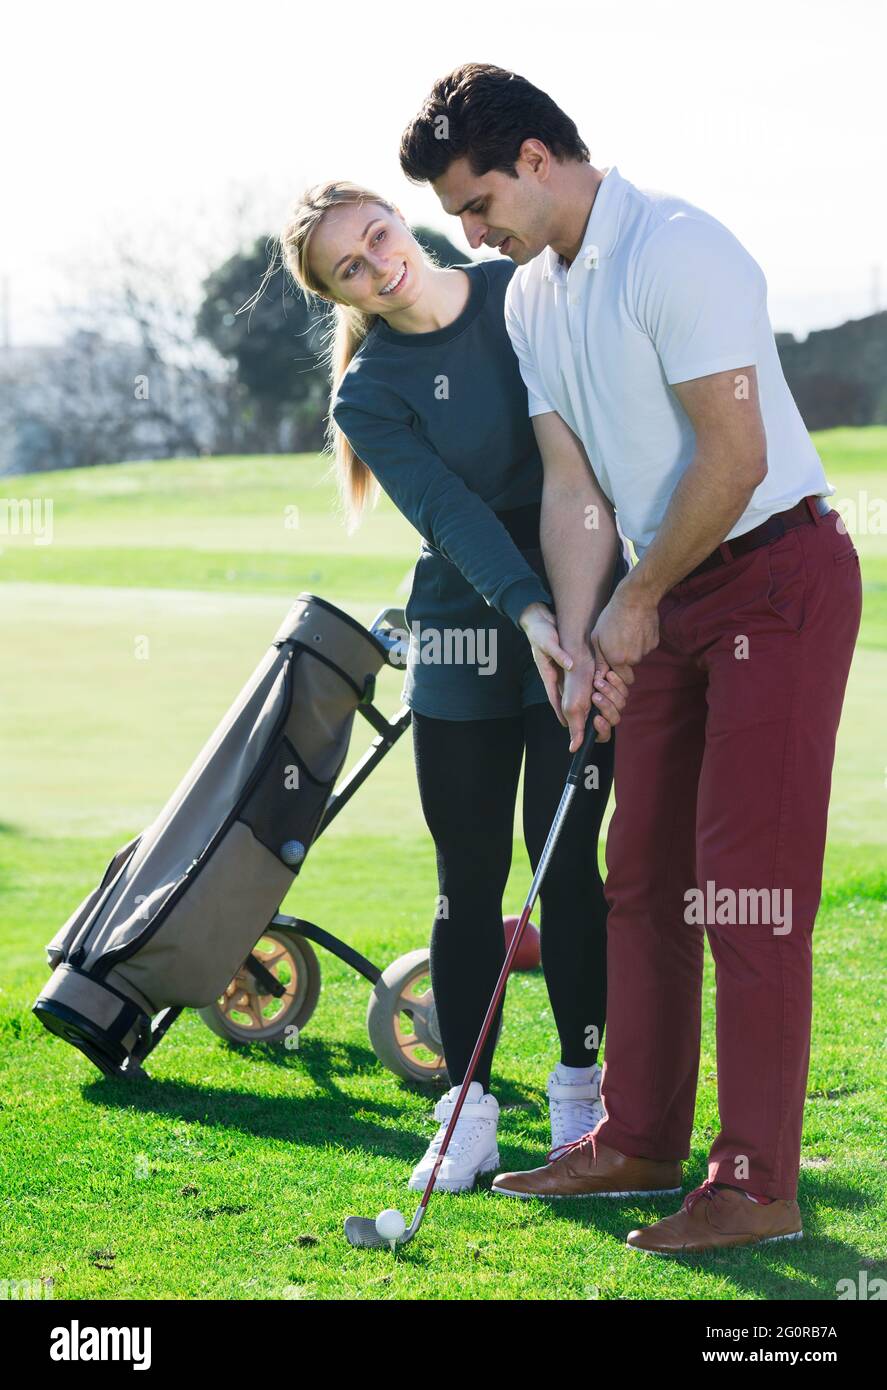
723	771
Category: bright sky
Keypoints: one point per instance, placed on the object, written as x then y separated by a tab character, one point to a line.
136	119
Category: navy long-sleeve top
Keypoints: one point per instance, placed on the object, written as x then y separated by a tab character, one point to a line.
441	421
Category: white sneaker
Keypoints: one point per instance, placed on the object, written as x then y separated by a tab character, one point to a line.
472	1148
576	1108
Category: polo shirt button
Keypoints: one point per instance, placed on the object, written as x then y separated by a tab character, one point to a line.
574	299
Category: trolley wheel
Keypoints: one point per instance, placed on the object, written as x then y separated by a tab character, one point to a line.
402	1020
243	1014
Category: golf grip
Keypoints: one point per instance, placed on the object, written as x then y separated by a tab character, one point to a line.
578	763
575	772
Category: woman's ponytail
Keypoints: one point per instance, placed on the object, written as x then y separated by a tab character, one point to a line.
356	485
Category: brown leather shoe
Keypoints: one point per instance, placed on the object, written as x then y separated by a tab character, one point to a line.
589	1169
716	1218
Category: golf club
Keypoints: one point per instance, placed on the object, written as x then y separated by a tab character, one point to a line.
390	1228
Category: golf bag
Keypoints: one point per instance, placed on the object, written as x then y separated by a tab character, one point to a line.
181	906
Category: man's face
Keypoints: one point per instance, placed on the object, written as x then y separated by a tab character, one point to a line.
496	210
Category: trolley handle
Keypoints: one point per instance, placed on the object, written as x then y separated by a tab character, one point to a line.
386	624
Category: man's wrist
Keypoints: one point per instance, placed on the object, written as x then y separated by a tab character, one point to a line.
641	587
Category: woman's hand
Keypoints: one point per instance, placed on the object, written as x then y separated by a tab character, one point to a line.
537	621
572	685
589	684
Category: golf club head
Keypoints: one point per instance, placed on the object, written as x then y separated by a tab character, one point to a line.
361	1231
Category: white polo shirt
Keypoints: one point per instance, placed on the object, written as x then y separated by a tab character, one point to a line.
660	293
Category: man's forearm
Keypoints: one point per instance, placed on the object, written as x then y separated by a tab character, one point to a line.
704	507
729	463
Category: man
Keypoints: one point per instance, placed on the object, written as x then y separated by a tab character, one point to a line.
641	327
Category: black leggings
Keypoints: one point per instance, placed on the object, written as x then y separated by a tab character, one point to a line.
468	774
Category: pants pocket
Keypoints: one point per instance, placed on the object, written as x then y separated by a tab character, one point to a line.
787	576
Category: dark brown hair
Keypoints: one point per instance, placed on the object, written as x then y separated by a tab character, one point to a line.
484	114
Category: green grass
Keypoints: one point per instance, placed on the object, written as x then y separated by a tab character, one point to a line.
228	1173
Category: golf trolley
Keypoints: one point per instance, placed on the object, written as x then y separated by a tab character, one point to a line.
177	905
278	986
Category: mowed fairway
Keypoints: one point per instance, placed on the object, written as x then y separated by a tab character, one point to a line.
228	1173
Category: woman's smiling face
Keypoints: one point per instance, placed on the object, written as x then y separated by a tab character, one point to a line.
366	256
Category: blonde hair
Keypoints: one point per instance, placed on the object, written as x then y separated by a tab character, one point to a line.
356	484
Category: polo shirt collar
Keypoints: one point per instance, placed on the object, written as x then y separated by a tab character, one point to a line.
601	230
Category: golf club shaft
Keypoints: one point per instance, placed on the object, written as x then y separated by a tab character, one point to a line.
573	776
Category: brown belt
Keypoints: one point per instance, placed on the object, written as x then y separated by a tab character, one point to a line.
804	513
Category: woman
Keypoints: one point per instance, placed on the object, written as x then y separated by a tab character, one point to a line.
428	402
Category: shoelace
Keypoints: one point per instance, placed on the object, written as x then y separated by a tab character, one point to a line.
465	1134
577	1145
566	1116
708	1192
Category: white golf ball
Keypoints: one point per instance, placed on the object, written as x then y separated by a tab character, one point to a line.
390	1224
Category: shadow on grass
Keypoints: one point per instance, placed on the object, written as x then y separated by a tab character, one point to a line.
316	1120
321	1060
333	1116
325	1062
